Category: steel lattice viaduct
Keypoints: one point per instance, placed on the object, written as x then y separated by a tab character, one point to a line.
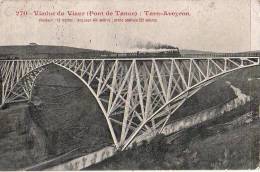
138	94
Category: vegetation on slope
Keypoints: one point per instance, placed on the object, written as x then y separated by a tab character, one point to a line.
233	149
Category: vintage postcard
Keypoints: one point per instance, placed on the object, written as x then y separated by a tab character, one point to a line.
129	85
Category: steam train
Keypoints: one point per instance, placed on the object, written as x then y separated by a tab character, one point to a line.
83	55
138	54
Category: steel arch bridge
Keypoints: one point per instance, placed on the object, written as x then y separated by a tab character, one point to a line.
136	95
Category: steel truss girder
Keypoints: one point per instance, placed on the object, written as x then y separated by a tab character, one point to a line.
139	95
18	77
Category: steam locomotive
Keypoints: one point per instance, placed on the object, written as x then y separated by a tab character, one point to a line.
83	55
138	54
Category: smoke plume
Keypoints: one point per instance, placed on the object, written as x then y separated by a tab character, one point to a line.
151	45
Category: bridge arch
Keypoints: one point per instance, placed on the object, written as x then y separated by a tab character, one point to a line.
139	95
177	102
20	87
156	82
67	113
97	99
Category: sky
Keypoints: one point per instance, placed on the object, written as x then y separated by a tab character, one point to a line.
213	25
255	25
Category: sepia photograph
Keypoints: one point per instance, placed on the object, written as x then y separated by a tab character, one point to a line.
129	85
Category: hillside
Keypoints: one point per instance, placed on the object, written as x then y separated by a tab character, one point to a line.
25	51
236	148
186	51
52	51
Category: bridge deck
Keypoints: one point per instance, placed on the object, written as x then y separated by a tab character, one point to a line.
136	94
133	58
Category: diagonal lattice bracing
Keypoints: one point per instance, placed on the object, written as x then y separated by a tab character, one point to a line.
17	78
136	96
140	95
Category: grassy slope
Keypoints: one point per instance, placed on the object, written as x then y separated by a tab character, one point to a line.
43	51
186	51
40	49
234	149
